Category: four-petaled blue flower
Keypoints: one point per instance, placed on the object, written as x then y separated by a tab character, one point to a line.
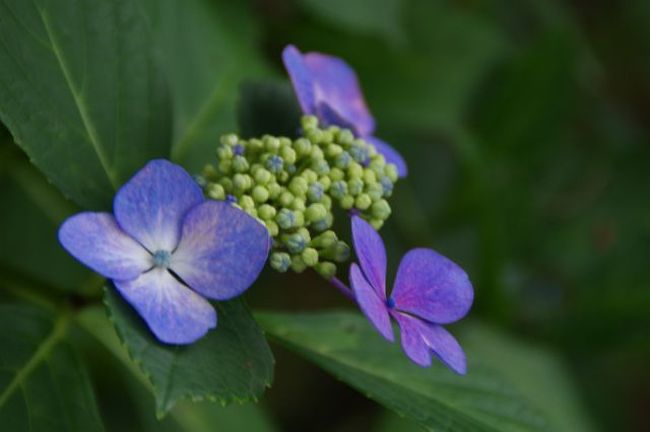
328	88
167	249
429	290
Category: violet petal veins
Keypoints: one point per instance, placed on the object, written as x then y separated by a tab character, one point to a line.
167	250
328	88
429	290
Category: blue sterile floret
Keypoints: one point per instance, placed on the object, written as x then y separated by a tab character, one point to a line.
294	187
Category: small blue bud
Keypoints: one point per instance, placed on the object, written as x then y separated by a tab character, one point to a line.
274	164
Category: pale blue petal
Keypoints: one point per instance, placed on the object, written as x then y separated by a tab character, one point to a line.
301	79
174	313
372	306
97	241
222	250
370	251
150	207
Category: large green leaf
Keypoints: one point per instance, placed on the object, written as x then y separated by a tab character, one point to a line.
207	49
500	392
43	386
233	363
80	92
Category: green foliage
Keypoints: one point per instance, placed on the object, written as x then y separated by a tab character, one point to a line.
206	49
499	392
81	93
267	107
232	363
44	385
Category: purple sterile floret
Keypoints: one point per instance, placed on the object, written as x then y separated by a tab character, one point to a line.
328	88
429	290
168	249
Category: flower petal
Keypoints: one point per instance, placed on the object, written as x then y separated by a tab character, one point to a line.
150	207
432	287
390	154
419	337
222	250
336	84
173	312
300	78
372	306
96	240
371	254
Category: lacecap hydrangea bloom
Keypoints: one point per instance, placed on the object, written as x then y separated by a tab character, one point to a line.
429	290
167	250
328	88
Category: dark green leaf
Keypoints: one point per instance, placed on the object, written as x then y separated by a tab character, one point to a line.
43	386
207	49
492	397
233	363
80	92
267	107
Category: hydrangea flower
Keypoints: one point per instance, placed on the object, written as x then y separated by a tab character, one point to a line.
167	250
328	88
429	290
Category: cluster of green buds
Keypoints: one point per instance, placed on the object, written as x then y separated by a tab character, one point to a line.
293	186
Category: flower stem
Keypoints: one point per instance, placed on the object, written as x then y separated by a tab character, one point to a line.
345	290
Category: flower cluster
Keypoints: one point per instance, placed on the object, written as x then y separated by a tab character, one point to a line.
294	186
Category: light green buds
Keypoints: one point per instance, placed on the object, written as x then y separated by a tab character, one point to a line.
280	261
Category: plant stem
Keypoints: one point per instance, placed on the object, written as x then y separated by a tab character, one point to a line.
343	288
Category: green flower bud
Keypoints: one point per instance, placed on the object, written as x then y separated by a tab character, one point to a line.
252	211
355	186
275	164
229	139
347	202
300	218
326	136
326	269
242	182
240	164
255	144
325	240
271	143
280	261
310	256
369	176
333	150
375	191
323	224
325	181
320	167
309	175
380	210
316	153
391	172
224	166
314	135
302	146
286	219
216	191
345	137
343	160
376	223
338	189
226	182
315	212
274	190
266	212
246	202
340	252
362	201
209	171
299	186
297	264
309	122
288	154
272	227
262	176
355	170
315	192
260	194
224	152
336	174
286	198
295	243
298	204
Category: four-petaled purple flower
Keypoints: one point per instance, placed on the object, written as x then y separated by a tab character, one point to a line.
429	290
167	249
328	88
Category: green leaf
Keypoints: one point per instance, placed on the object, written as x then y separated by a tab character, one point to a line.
80	92
492	397
373	17
207	49
233	363
43	385
267	107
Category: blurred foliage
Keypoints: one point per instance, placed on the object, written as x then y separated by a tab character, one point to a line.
525	125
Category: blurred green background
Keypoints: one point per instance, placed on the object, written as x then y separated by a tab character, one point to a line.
526	128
